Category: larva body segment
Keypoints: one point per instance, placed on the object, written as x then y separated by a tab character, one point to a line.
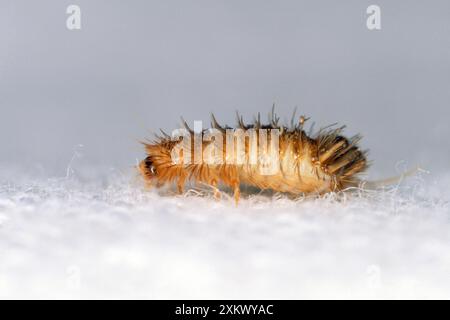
304	164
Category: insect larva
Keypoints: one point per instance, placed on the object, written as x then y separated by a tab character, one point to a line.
304	163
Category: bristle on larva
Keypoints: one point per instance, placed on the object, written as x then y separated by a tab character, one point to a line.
299	163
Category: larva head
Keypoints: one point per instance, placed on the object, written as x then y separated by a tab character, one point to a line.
147	169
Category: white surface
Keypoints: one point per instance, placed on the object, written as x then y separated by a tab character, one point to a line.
60	238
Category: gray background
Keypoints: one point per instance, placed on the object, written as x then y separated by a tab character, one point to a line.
137	66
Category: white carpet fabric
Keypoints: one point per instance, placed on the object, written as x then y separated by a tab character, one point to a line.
60	238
